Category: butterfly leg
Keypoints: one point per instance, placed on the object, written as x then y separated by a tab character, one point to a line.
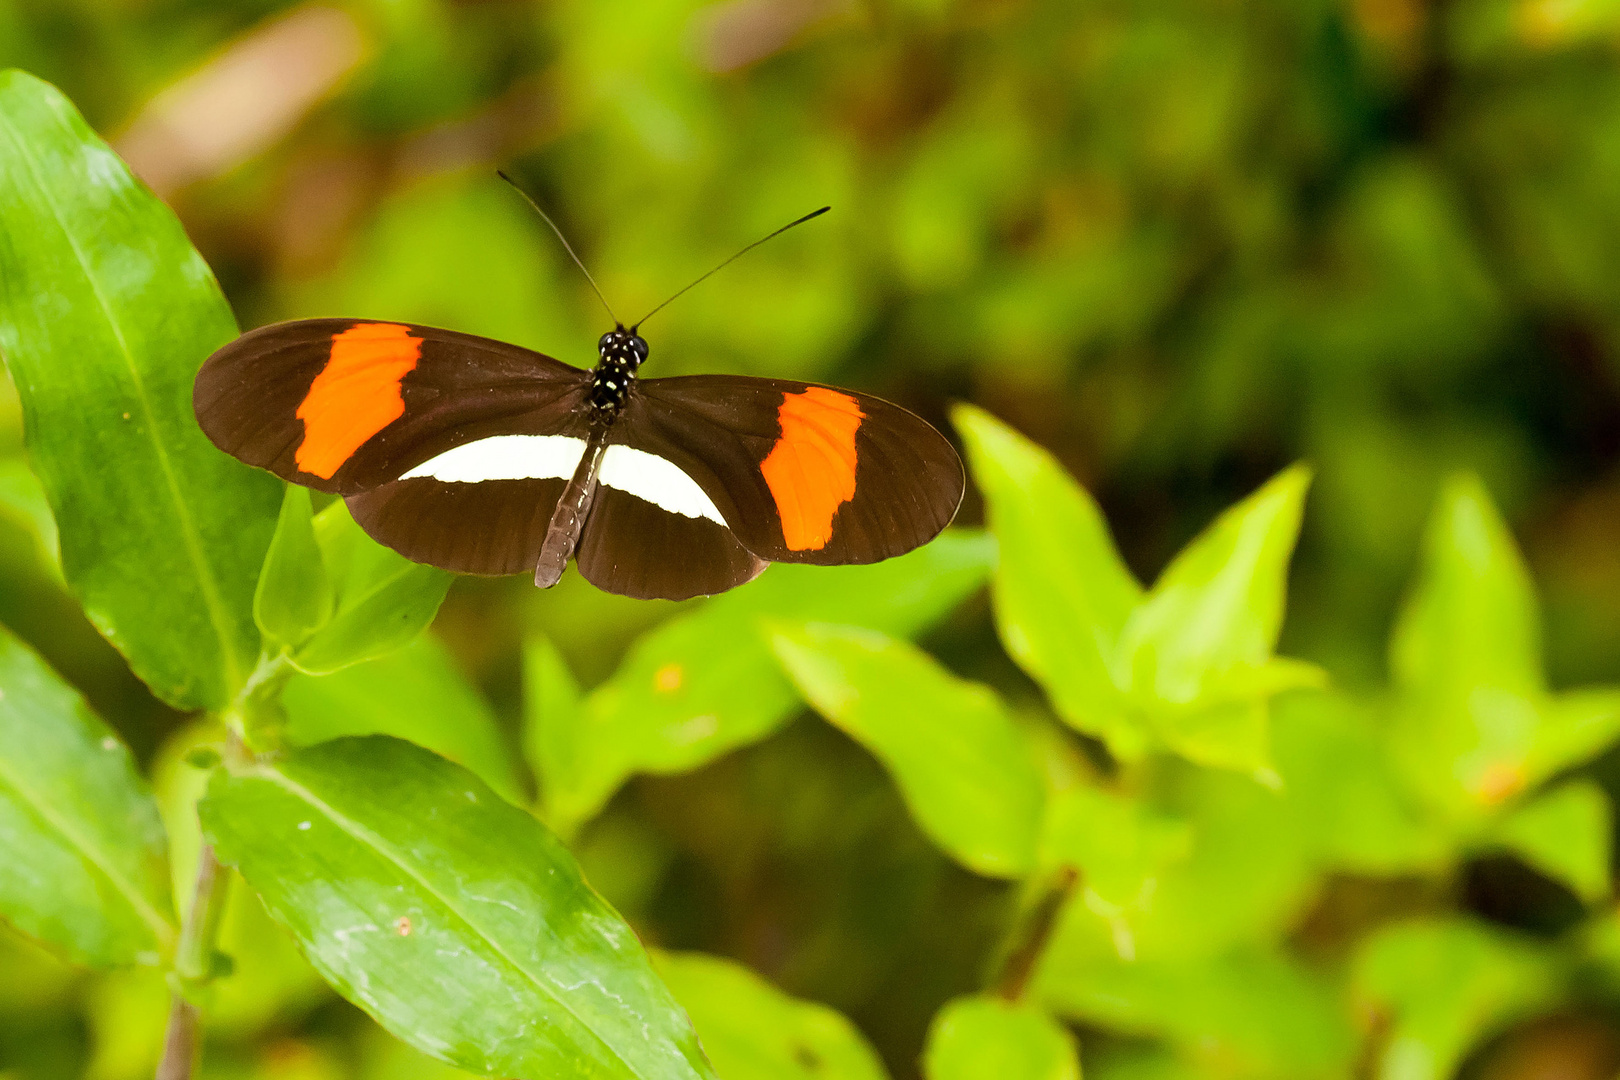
569	517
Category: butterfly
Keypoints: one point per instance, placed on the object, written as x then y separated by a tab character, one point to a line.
482	457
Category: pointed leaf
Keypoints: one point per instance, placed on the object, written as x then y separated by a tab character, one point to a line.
705	683
85	868
106	312
383	600
552	711
1575	727
415	693
977	1037
1212	619
294	596
1466	659
1062	593
753	1031
1565	834
451	916
963	766
1199	648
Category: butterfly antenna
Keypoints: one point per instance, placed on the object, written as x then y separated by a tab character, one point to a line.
566	245
728	262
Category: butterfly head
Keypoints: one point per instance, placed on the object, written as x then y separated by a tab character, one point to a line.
622	348
622	352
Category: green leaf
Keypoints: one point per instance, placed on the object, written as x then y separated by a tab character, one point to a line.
705	683
1343	791
977	1037
451	916
1258	1012
1120	845
753	1031
23	500
85	866
383	600
1199	648
1447	984
1466	660
1575	727
963	766
1565	834
106	312
1062	593
415	693
294	597
552	711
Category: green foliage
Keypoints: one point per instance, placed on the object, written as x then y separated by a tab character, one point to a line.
973	1037
105	313
1175	249
965	769
753	1031
445	885
85	867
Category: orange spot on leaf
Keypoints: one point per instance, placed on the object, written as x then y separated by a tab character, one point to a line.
356	394
402	925
668	679
1500	781
811	469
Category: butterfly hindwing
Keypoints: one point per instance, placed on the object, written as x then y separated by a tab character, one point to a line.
344	405
801	472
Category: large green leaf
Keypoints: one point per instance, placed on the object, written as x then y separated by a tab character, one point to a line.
105	314
448	914
1199	648
1062	592
706	683
415	693
977	1037
963	766
84	866
753	1031
1565	833
382	599
1445	984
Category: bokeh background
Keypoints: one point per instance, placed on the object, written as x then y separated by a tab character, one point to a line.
1182	243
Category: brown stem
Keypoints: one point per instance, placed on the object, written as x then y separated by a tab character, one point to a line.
179	1042
1029	937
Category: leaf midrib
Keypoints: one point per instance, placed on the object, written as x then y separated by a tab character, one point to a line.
365	837
162	928
188	529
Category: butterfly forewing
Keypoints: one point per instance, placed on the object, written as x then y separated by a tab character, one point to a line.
344	405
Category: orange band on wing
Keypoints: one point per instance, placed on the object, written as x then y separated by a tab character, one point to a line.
356	394
811	469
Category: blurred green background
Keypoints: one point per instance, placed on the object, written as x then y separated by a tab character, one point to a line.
1182	243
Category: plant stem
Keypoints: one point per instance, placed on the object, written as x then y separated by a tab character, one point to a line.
194	955
193	966
1029	937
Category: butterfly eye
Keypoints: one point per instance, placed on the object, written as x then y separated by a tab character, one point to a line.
639	347
604	342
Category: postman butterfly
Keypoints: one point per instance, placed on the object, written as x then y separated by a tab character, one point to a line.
487	458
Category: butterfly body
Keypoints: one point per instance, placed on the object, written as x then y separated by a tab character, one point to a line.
487	458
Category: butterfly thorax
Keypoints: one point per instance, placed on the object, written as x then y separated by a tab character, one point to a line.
620	353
